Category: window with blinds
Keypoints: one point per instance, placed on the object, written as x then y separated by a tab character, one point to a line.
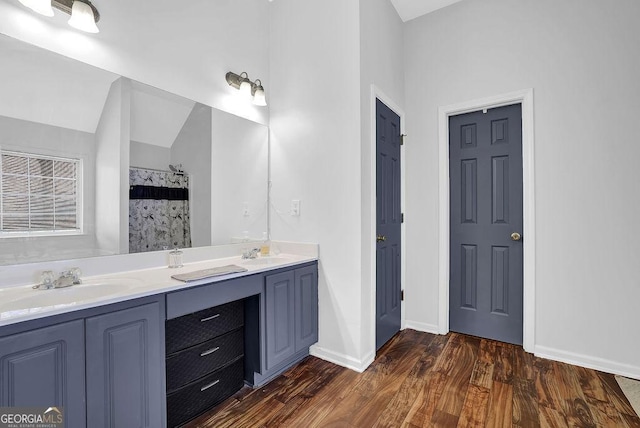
39	194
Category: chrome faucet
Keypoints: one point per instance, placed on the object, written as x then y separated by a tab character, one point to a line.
250	254
66	279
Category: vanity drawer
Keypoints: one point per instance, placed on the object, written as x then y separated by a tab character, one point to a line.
189	330
197	397
192	363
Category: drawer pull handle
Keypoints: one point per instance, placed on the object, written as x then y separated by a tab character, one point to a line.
204	388
210	318
210	351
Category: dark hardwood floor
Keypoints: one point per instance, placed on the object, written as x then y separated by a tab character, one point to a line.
424	380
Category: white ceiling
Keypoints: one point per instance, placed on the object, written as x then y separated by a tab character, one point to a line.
410	9
40	86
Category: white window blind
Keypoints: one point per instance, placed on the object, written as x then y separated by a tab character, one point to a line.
39	194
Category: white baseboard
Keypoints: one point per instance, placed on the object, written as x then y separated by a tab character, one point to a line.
595	363
341	359
421	326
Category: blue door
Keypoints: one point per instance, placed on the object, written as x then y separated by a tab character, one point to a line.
389	219
485	166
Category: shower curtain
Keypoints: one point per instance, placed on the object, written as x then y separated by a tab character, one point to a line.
158	210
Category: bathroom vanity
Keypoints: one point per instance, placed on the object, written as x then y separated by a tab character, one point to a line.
155	356
131	347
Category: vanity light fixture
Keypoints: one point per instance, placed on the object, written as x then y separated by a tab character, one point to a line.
249	89
84	15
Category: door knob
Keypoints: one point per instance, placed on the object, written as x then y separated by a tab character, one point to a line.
381	238
515	236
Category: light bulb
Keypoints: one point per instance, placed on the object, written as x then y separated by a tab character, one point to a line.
82	17
245	88
258	98
43	7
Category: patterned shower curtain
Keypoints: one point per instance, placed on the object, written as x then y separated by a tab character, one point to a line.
158	210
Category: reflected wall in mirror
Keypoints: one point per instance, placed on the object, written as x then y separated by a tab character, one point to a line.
154	170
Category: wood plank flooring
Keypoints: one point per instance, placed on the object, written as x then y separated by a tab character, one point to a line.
424	380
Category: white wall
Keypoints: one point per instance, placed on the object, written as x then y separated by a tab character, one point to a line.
381	65
315	155
184	48
145	155
239	175
581	58
192	149
112	170
38	138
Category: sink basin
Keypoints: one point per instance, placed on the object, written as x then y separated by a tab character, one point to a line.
24	298
265	261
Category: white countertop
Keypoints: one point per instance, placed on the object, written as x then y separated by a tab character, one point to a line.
23	303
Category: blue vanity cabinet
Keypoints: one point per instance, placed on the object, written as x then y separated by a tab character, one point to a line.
306	307
280	317
125	368
45	368
291	315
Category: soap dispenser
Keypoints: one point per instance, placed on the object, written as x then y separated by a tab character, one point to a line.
175	258
264	248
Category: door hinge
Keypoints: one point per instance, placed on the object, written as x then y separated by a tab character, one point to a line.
402	139
402	295
401	217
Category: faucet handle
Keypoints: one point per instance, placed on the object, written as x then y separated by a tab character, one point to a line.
75	273
47	278
46	281
250	253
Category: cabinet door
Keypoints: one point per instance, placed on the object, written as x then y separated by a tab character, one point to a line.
306	307
125	369
45	368
279	297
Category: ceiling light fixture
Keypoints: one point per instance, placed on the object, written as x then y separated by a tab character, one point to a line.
84	15
249	89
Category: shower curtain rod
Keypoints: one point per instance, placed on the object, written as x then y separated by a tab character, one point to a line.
158	170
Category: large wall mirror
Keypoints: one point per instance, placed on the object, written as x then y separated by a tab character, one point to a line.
95	164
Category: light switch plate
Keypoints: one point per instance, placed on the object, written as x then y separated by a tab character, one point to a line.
295	207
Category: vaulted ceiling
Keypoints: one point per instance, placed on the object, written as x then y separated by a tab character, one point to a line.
43	87
410	9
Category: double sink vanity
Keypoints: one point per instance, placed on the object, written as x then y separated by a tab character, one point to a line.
139	348
125	345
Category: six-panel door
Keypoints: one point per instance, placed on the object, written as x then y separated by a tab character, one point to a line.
486	255
125	369
45	368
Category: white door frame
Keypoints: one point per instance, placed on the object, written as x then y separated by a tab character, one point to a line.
377	94
524	97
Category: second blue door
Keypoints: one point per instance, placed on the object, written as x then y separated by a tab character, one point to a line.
485	166
389	219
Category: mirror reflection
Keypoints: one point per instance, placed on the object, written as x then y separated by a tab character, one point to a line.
97	164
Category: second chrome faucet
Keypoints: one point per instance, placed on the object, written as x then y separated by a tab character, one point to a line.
250	254
66	279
